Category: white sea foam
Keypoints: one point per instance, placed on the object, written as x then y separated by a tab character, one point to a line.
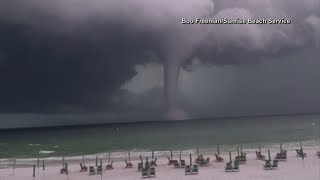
34	144
46	152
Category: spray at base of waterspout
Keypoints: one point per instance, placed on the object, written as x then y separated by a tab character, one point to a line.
177	114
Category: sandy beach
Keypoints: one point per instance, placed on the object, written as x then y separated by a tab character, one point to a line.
293	169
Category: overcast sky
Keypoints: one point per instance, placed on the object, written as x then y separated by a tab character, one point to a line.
107	56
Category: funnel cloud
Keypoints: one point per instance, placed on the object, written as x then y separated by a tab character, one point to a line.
79	46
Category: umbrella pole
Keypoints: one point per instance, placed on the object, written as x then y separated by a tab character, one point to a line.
302	154
14	166
109	157
67	171
129	155
83	159
43	168
34	171
101	168
62	161
96	161
171	153
38	164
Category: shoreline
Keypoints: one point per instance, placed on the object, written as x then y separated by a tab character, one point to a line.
134	155
292	169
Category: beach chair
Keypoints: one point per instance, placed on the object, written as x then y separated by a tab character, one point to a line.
140	166
109	166
128	164
144	172
260	156
267	165
154	163
152	172
201	162
170	161
228	167
299	153
236	166
274	164
176	164
218	158
147	165
187	170
243	159
182	163
99	169
92	171
83	168
207	162
284	155
195	169
63	170
236	161
199	159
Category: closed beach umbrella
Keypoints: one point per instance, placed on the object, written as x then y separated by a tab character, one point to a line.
152	154
14	166
238	150
62	161
302	153
230	157
38	163
218	150
43	166
101	168
34	171
190	160
146	162
109	157
269	155
280	147
83	159
129	155
141	158
301	150
67	171
180	155
96	161
241	149
171	153
259	148
197	151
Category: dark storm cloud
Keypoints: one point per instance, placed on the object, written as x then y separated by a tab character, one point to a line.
76	53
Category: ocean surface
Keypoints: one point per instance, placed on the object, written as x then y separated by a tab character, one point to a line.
161	137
